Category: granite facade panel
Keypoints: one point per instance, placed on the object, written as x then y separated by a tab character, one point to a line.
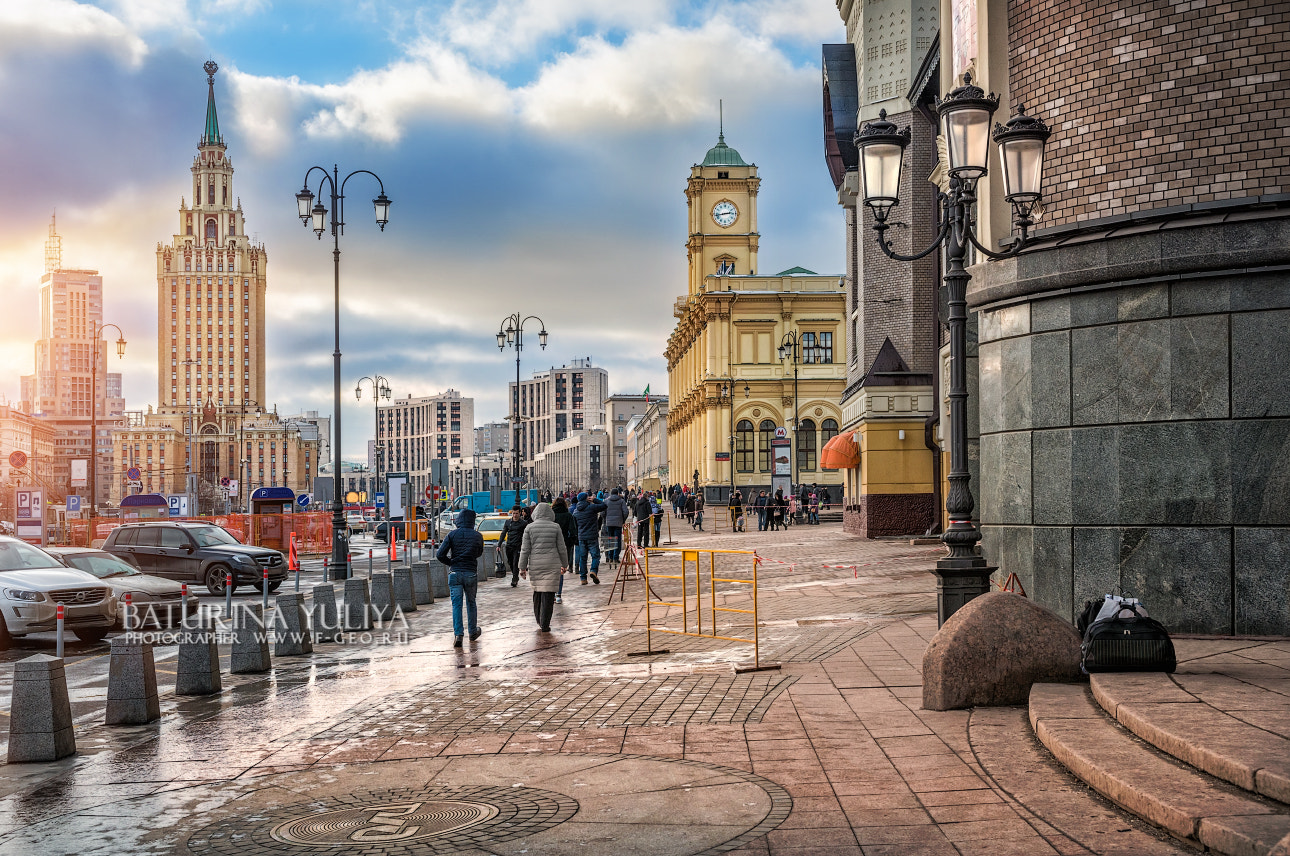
1095	563
1262	583
1012	550
1050	380
1095	476
1198	376
1142	354
1261	472
1052	484
1175	474
1052	570
1005	497
1260	364
1182	574
1094	375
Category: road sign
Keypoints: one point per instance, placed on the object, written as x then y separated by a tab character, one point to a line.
17	460
30	515
380	500
133	474
223	482
73	504
430	491
304	500
178	504
232	487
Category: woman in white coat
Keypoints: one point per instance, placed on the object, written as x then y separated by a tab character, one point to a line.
543	558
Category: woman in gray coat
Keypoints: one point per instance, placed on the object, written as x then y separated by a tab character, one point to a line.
543	555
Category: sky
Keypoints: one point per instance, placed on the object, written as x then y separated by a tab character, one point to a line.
536	152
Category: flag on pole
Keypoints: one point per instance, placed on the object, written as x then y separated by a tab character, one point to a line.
647	393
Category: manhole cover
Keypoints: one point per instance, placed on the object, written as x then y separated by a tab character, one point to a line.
432	820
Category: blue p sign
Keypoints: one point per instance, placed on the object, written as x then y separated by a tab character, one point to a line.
73	503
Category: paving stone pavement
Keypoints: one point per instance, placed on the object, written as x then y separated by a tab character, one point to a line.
417	747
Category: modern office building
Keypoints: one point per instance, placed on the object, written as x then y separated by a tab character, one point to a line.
557	403
411	432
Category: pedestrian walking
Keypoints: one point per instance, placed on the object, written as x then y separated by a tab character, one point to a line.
657	514
513	537
588	513
760	506
736	509
460	551
616	513
569	526
813	509
544	559
698	510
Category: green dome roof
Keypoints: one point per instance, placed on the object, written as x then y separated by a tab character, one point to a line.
722	155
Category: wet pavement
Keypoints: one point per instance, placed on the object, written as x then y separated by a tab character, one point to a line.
586	739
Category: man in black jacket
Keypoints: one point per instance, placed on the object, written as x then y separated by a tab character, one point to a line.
644	510
460	551
588	514
513	534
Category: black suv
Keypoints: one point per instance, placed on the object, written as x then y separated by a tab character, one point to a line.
195	552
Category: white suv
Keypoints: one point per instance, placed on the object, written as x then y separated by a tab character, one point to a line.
33	584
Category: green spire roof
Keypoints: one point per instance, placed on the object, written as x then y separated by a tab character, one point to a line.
723	155
211	137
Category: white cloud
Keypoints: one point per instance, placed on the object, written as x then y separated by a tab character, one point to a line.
65	27
512	28
667	75
808	21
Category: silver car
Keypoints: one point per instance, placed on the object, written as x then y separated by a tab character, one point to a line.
157	601
34	583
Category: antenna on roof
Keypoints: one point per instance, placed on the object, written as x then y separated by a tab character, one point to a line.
721	119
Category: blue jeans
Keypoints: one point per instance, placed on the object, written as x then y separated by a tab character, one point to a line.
462	585
588	546
611	555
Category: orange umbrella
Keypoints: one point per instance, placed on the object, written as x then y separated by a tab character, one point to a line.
842	452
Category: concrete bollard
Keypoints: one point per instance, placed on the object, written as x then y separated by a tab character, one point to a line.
382	597
358	605
439	579
404	595
250	642
291	636
132	684
40	721
422	589
326	617
198	668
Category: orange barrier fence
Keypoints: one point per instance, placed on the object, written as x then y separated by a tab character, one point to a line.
312	528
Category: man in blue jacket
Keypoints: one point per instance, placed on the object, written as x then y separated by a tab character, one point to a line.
460	551
616	514
587	514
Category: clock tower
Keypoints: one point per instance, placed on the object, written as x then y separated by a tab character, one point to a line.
722	199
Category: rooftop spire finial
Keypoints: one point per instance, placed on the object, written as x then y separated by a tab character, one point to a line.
211	137
53	248
210	68
721	120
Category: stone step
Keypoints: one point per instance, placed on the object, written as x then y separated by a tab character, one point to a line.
1174	720
1160	789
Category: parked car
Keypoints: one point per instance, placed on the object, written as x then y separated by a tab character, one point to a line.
196	553
32	585
354	520
157	601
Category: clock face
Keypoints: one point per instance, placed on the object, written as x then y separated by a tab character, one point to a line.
725	213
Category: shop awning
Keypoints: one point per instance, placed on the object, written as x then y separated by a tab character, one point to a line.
842	452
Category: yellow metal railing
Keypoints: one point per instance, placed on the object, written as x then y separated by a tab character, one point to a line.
692	557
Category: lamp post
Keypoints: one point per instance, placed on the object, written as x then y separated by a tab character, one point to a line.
728	395
965	116
94	408
791	347
511	333
308	211
245	487
380	389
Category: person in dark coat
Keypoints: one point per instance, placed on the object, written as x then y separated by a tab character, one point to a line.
736	509
513	535
570	528
460	551
616	513
588	513
644	510
760	506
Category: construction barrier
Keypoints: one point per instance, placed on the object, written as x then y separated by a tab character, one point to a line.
695	558
312	529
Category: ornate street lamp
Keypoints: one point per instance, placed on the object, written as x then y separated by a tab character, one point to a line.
965	117
511	333
309	212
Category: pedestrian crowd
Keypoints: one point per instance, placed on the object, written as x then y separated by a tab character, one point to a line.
563	535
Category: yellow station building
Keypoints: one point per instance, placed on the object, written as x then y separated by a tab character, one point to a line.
729	390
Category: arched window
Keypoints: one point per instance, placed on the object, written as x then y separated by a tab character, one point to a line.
211	229
828	430
744	446
765	458
806	447
210	194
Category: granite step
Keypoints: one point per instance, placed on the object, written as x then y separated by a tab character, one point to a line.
1170	713
1187	803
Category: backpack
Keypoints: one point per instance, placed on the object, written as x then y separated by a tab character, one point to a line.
1127	641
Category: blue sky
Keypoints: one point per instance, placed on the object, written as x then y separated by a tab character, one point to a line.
536	152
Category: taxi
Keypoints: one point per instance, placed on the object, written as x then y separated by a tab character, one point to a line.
490	526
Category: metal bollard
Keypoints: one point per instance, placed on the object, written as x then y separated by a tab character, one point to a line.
59	614
369	563
297	580
264	591
387	562
228	595
129	611
183	606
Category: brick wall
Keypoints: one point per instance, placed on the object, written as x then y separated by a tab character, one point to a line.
1154	103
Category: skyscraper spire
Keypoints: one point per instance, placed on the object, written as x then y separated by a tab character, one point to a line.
721	120
211	135
53	248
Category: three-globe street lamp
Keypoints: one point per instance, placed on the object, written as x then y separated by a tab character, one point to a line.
965	119
308	212
380	389
94	407
511	332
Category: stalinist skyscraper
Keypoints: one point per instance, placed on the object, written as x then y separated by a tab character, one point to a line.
214	426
